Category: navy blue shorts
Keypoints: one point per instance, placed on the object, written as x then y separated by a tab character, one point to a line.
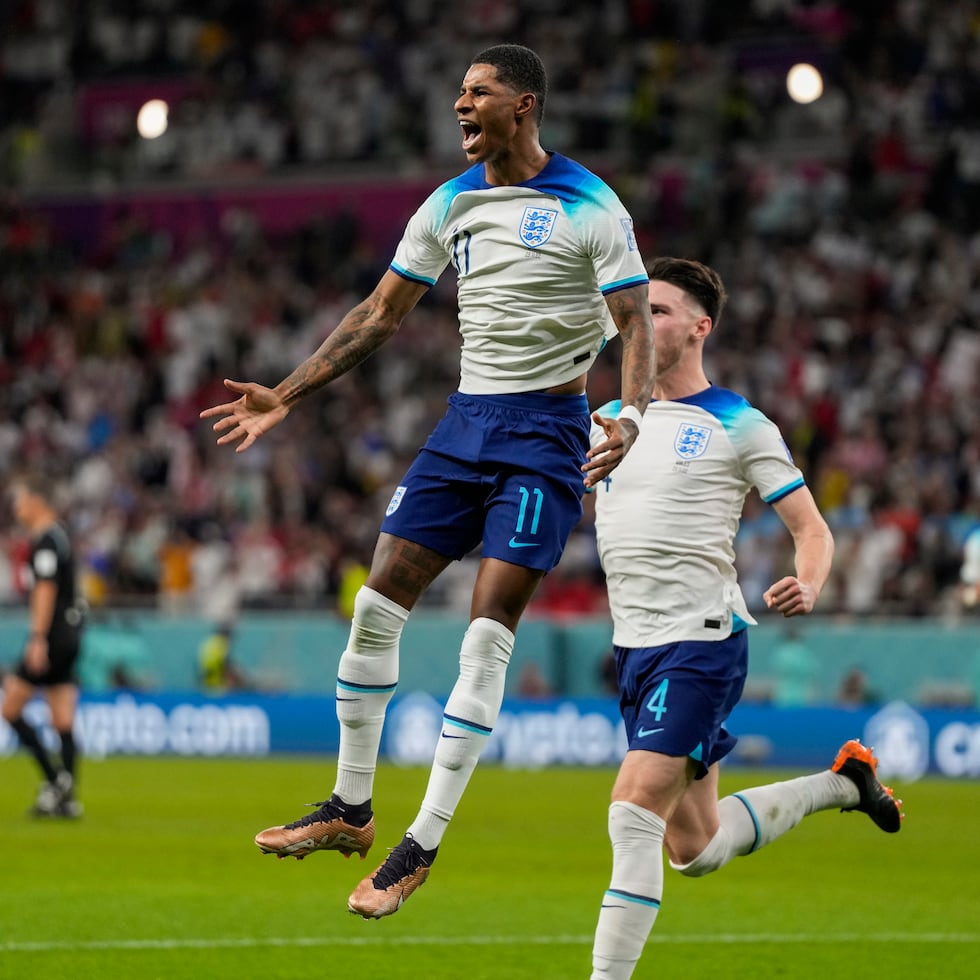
676	698
501	469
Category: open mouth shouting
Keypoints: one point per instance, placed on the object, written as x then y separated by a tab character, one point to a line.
471	134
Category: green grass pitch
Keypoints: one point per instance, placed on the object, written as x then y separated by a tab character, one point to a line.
160	879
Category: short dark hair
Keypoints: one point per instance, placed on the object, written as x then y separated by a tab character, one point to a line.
699	281
32	482
518	67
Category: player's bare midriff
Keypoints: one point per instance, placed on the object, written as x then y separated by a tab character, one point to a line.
574	387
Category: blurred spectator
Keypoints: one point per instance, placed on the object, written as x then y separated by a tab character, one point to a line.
115	656
259	559
353	574
853	691
531	682
214	577
218	672
176	572
796	670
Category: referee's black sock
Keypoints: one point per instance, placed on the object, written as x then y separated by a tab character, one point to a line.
68	751
30	741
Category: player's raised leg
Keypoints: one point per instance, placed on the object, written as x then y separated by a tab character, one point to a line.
754	817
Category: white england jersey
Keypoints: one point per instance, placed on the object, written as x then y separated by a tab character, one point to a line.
533	262
667	516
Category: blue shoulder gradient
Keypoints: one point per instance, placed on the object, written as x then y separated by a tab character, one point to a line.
734	412
726	406
574	185
581	192
439	202
442	197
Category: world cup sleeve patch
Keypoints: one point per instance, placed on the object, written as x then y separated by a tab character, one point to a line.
691	440
537	225
396	499
45	563
627	224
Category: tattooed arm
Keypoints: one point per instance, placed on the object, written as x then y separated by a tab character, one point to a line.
630	309
361	332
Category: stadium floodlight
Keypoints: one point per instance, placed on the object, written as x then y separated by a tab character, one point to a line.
804	83
151	120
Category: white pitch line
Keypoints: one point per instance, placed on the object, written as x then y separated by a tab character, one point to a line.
300	941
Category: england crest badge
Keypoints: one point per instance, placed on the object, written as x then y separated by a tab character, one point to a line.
396	499
537	225
691	440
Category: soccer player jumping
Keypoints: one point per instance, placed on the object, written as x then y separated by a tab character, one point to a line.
547	268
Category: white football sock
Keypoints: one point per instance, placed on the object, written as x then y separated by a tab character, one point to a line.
754	817
630	904
366	679
468	720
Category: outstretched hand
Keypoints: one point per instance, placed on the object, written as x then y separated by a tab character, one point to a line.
606	456
257	411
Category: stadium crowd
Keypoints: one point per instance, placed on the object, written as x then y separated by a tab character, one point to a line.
846	231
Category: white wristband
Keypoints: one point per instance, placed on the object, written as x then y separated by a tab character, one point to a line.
633	413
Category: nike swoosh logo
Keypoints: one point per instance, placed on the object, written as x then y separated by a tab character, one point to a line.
348	699
612	906
444	735
647	731
514	543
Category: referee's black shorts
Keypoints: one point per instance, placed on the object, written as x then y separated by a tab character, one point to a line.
64	646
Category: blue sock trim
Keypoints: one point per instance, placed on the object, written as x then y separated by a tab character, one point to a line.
755	821
367	688
468	725
653	903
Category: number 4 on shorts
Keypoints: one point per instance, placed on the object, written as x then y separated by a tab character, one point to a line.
658	700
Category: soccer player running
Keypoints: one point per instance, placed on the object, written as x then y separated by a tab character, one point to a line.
666	522
547	267
51	650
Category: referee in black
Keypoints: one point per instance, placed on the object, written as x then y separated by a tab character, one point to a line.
51	649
